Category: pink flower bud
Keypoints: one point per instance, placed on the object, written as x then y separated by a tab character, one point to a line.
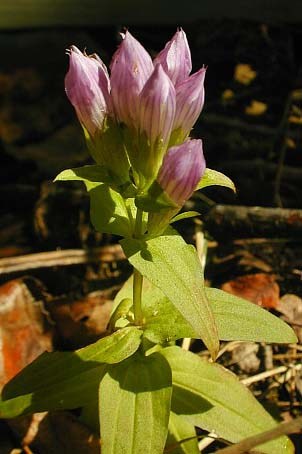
182	169
175	58
131	67
189	102
157	107
87	87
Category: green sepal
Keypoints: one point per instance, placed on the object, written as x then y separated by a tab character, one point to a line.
215	178
134	405
107	149
210	397
65	380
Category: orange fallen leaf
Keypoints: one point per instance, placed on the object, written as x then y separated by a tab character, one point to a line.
259	288
23	332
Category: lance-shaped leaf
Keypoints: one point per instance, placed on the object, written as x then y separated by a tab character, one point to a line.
134	399
236	318
215	178
212	398
173	266
63	380
239	319
87	174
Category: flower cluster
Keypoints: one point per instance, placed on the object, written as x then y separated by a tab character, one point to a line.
142	114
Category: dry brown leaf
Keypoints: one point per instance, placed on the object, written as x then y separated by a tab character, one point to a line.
24	331
291	307
259	288
83	321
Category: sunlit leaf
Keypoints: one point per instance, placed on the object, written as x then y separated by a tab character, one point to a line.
134	399
173	266
212	398
215	178
66	379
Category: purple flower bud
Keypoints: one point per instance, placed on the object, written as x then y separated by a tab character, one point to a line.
157	107
87	87
131	67
175	58
189	102
182	168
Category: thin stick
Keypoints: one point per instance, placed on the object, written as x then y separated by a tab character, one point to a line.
269	373
207	441
250	442
65	257
186	343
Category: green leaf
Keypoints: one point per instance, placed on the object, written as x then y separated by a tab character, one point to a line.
180	429
212	398
173	266
71	393
186	215
92	174
163	322
134	399
65	379
215	178
155	199
109	212
238	319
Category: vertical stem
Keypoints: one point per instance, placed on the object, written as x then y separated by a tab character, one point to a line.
137	277
137	297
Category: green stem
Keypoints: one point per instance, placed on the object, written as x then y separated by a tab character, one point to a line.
137	297
137	277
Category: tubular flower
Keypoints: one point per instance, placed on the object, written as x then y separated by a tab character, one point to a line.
181	170
87	87
175	58
189	103
131	67
149	106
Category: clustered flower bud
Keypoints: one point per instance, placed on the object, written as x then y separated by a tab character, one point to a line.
151	106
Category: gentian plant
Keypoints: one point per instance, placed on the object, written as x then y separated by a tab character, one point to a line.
137	386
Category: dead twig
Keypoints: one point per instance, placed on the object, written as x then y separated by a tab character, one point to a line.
65	257
269	373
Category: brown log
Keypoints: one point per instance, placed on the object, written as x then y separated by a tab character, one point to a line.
229	221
